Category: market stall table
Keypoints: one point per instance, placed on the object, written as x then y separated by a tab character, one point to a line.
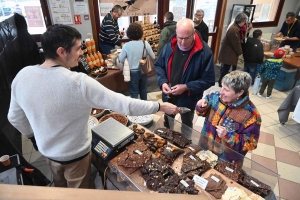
114	80
135	181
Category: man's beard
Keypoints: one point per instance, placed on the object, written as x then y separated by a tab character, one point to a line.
196	21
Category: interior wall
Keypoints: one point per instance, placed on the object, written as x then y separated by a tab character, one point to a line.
85	27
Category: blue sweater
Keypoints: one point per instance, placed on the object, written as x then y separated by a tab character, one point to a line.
133	51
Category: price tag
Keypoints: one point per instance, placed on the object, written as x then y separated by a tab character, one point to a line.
192	157
215	179
85	64
201	182
184	183
169	149
138	152
191	148
229	169
231	188
254	183
160	131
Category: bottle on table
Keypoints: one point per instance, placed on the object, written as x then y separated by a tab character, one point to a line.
88	46
93	59
93	46
100	58
89	61
83	47
122	33
97	59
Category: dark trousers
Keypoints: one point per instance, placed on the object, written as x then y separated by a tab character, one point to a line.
251	68
138	84
224	70
105	48
265	83
186	118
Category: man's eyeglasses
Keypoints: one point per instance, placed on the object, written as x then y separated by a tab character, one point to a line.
186	38
198	15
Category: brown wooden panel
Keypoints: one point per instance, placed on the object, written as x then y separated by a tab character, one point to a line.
94	11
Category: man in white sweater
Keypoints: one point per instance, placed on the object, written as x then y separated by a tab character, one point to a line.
52	104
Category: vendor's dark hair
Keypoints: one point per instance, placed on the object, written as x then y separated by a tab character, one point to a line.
169	16
56	36
290	14
134	31
257	33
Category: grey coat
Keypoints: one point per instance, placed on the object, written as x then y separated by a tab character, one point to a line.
231	46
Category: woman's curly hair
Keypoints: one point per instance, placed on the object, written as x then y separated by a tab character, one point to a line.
134	31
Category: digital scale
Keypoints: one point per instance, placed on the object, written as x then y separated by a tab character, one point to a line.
109	137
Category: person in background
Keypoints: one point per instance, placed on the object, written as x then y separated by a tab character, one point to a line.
185	68
200	25
230	116
109	30
231	46
168	30
51	105
133	51
269	71
253	53
290	31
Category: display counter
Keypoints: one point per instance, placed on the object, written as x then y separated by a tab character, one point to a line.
114	80
15	192
136	182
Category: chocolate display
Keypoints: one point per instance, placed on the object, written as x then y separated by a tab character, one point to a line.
134	156
188	190
255	185
209	156
193	148
173	136
170	153
193	165
155	171
153	143
235	193
231	170
216	186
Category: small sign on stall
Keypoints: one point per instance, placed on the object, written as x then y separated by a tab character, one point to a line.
77	19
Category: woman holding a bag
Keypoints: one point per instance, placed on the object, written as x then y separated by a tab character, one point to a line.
132	51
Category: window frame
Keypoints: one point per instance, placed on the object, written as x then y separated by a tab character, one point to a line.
270	23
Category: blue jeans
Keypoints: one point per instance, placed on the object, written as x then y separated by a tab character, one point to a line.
138	84
251	68
105	48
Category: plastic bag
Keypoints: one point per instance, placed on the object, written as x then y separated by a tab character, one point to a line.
256	85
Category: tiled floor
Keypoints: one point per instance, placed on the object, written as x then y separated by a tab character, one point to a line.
278	148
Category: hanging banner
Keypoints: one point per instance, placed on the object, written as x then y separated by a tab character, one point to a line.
34	16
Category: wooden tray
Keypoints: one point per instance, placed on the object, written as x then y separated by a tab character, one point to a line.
229	182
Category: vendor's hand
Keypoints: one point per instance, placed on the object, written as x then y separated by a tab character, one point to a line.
221	130
166	89
169	108
278	34
178	89
202	103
